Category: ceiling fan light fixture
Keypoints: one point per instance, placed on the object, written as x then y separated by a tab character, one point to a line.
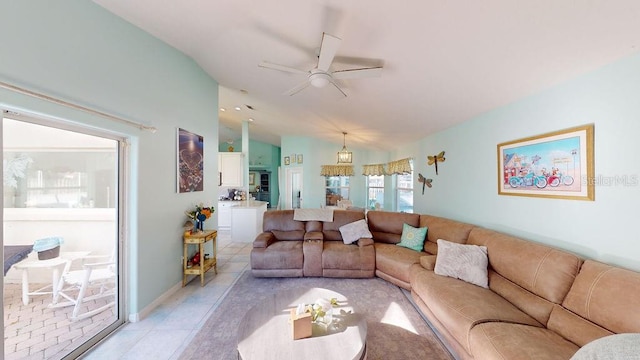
319	79
344	156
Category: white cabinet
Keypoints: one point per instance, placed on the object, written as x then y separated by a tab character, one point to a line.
224	214
231	169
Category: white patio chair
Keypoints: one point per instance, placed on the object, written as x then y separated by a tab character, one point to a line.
95	281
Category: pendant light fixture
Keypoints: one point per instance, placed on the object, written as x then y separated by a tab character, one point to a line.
344	156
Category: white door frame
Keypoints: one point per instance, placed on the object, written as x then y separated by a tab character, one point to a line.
290	172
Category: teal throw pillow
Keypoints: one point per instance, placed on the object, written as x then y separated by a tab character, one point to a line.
413	238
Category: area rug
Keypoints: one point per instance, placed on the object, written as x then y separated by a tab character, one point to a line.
396	331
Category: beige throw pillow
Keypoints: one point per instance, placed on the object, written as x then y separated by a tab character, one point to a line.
465	262
352	232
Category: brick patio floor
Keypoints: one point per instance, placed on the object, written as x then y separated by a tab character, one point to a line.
35	331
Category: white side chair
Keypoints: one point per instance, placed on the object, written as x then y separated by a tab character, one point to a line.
344	204
81	288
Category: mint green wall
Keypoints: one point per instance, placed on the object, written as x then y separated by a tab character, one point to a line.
264	157
466	187
77	51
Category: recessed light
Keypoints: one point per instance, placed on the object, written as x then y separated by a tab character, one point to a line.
237	108
223	109
251	119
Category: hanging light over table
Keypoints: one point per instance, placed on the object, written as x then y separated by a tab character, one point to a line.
344	156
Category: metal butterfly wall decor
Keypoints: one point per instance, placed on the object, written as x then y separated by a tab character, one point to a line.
435	159
424	182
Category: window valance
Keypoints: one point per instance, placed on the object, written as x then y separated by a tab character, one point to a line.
375	169
400	167
336	170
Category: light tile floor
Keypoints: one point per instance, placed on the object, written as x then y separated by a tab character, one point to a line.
166	332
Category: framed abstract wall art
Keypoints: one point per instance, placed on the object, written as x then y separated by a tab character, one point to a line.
552	165
190	161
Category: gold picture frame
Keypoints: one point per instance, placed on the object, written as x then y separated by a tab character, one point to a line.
287	160
252	178
299	159
554	165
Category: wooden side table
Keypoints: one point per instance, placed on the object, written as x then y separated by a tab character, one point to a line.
199	239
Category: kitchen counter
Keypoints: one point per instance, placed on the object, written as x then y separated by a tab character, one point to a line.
246	220
253	204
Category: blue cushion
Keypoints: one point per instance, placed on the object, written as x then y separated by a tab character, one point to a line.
413	238
47	243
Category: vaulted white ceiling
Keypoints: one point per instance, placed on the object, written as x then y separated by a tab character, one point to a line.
445	61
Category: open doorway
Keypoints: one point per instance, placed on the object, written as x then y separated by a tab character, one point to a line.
61	237
293	188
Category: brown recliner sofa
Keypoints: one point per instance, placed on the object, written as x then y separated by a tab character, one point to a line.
290	248
541	303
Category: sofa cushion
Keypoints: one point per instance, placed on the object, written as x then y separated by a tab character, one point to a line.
464	262
441	228
386	226
540	269
603	295
331	230
337	255
500	340
352	232
428	262
395	261
412	237
461	306
282	225
279	255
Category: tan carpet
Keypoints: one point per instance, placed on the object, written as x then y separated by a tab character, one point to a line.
395	329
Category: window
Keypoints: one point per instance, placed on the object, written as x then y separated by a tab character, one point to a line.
337	188
404	192
375	191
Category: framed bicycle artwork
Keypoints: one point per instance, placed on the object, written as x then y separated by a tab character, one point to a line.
552	165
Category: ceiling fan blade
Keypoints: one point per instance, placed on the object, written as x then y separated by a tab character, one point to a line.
328	50
357	73
273	66
298	88
338	87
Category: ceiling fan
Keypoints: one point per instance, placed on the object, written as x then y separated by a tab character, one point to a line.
320	76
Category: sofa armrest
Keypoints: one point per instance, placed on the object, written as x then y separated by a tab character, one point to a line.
263	240
428	262
365	242
313	235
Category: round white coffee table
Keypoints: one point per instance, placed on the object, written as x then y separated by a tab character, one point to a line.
265	331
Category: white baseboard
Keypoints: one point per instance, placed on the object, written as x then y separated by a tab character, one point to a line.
135	317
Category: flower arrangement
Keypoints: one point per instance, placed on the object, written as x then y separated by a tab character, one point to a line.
199	215
321	310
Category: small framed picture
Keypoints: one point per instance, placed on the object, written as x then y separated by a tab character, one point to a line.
287	160
252	178
293	158
299	158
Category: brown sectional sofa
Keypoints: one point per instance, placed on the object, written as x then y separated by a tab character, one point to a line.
542	302
289	248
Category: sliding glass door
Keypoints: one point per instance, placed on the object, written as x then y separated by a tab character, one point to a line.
62	221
